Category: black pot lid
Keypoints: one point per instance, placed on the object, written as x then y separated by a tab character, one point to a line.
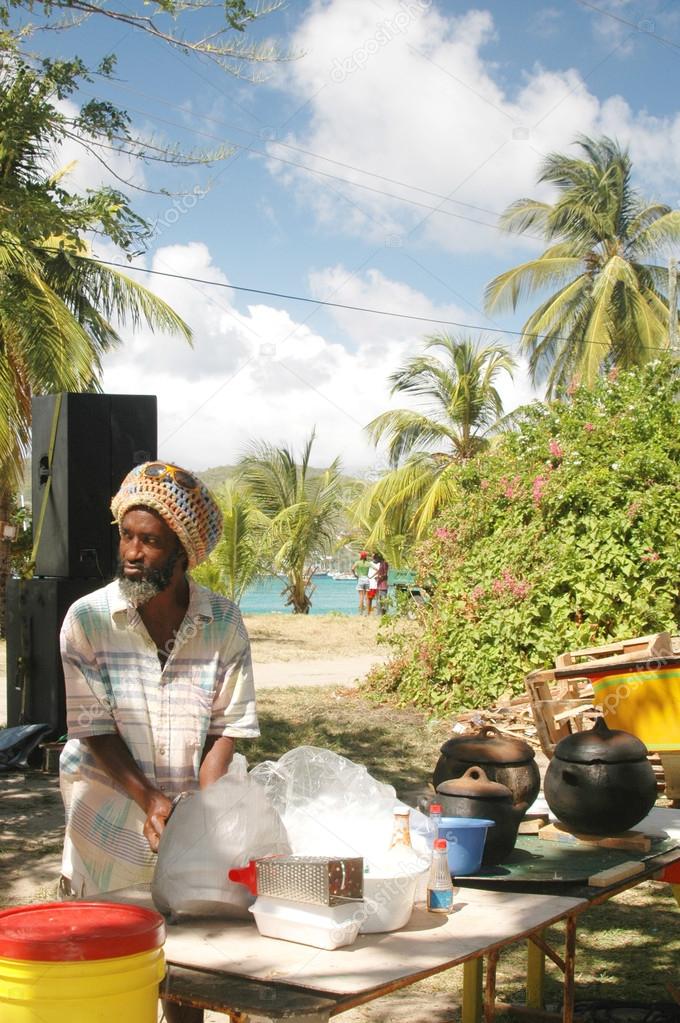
600	744
474	784
488	746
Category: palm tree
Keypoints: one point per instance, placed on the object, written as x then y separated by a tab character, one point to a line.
461	411
303	509
60	310
242	553
606	305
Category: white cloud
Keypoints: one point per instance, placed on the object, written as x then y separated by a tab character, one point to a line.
261	374
415	100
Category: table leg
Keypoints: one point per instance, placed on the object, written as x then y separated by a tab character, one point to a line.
535	973
473	971
569	970
490	987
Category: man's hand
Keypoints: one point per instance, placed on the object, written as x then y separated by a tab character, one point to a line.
158	808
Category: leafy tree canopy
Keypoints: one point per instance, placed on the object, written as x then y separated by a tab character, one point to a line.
566	535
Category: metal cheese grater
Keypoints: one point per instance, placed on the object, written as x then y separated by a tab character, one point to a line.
323	880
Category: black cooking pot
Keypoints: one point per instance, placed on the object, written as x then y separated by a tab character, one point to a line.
474	795
600	782
505	759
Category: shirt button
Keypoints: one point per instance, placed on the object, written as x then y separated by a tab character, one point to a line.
161	751
162	787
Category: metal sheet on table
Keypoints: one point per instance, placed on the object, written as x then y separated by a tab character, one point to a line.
535	860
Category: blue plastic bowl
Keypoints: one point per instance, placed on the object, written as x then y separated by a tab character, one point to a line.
465	838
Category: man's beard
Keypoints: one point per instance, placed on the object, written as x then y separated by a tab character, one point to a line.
153	581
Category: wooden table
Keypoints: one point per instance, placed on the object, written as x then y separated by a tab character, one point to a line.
228	967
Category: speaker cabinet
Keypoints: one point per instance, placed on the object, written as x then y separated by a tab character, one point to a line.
99	438
36	609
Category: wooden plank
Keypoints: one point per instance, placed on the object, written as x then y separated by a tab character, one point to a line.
633	841
532	825
606	877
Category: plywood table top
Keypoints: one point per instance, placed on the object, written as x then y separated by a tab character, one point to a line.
482	920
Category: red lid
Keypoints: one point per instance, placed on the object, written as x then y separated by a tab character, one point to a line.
435	808
440	843
75	931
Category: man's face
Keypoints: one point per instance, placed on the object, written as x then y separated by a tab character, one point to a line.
150	555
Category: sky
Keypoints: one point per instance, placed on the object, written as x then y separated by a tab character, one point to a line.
368	168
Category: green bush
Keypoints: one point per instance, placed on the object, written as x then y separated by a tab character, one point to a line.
566	535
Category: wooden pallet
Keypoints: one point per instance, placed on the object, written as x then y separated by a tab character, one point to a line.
561	707
658	644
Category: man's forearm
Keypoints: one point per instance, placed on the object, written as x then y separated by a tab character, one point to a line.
113	756
217	756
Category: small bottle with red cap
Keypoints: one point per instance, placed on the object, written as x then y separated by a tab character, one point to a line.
439	883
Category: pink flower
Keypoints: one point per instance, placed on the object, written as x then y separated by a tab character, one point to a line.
508	584
510	488
442	533
555	449
652	556
613	373
484	485
539	485
588	427
477	593
633	509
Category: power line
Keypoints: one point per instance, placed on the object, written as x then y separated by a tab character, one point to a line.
337	305
332	177
299	149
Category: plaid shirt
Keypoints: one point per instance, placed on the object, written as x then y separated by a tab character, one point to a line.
115	684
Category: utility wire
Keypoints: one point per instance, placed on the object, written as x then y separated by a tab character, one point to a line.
297	149
327	174
337	305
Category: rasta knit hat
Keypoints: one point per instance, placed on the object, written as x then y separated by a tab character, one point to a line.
182	501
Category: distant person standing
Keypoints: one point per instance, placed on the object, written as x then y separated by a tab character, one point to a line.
381	582
372	591
360	572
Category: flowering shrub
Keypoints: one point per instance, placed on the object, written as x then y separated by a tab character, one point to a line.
566	534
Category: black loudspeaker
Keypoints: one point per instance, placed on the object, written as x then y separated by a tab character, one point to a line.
99	438
35	681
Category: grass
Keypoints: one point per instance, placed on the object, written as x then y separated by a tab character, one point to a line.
399	747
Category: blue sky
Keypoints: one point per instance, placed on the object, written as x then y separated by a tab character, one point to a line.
369	170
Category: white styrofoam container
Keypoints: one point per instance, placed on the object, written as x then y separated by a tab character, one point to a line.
322	926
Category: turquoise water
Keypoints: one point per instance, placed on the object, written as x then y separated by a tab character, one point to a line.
264	597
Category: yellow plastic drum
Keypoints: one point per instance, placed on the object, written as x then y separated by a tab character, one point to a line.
641	698
75	962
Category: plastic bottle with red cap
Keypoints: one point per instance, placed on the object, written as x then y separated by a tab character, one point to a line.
439	883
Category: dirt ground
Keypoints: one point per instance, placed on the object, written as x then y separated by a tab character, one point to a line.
311	637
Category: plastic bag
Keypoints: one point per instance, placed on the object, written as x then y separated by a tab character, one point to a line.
220	827
331	806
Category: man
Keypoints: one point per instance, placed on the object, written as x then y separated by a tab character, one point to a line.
360	573
158	686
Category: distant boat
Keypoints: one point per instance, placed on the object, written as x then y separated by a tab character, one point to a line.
317	573
340	575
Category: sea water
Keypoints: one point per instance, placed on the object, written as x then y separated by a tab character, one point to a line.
265	597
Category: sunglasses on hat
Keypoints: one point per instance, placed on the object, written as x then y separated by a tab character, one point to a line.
157	470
